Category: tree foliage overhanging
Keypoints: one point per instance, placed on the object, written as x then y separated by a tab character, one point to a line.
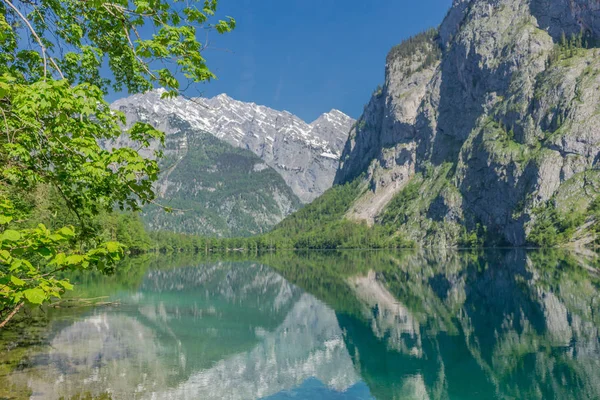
58	60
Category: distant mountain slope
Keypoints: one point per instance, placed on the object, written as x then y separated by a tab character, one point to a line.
216	189
305	155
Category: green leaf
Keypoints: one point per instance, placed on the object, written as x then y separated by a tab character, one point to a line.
5	255
35	295
66	284
56	237
44	251
59	259
11	235
113	247
17	281
67	232
5	219
16	264
74	259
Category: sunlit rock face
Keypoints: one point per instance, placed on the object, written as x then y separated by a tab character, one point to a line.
484	122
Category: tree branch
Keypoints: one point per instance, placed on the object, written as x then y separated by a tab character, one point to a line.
12	314
33	32
37	39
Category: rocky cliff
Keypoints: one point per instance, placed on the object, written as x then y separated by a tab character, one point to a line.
489	124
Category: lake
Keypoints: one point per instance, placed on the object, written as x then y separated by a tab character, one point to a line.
502	324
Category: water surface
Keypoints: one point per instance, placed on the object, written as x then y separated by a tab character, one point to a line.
503	324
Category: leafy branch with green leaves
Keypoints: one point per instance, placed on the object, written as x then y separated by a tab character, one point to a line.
58	60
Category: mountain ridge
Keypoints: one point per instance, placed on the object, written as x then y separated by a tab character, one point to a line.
305	155
232	168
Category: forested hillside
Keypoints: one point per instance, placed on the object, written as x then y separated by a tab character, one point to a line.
216	189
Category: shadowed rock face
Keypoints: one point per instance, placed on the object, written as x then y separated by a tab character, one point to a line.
483	121
305	155
567	16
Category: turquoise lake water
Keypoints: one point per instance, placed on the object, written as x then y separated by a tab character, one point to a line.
503	324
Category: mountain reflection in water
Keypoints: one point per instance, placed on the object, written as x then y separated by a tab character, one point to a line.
343	325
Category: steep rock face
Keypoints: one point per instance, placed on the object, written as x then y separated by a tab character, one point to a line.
382	141
569	16
494	115
305	155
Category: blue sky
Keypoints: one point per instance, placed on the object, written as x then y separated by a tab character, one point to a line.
309	56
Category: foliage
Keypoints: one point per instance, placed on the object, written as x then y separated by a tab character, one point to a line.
71	40
569	47
321	225
54	116
126	228
553	228
396	212
51	137
378	91
472	239
419	209
426	44
346	234
593	212
329	207
23	251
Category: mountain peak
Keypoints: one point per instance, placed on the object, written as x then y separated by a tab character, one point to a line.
335	111
333	114
222	96
305	155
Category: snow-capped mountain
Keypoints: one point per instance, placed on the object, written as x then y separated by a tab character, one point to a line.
305	155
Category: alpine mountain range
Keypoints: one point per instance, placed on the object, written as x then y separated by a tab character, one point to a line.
234	168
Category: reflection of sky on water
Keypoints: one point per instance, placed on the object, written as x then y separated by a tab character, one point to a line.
315	390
